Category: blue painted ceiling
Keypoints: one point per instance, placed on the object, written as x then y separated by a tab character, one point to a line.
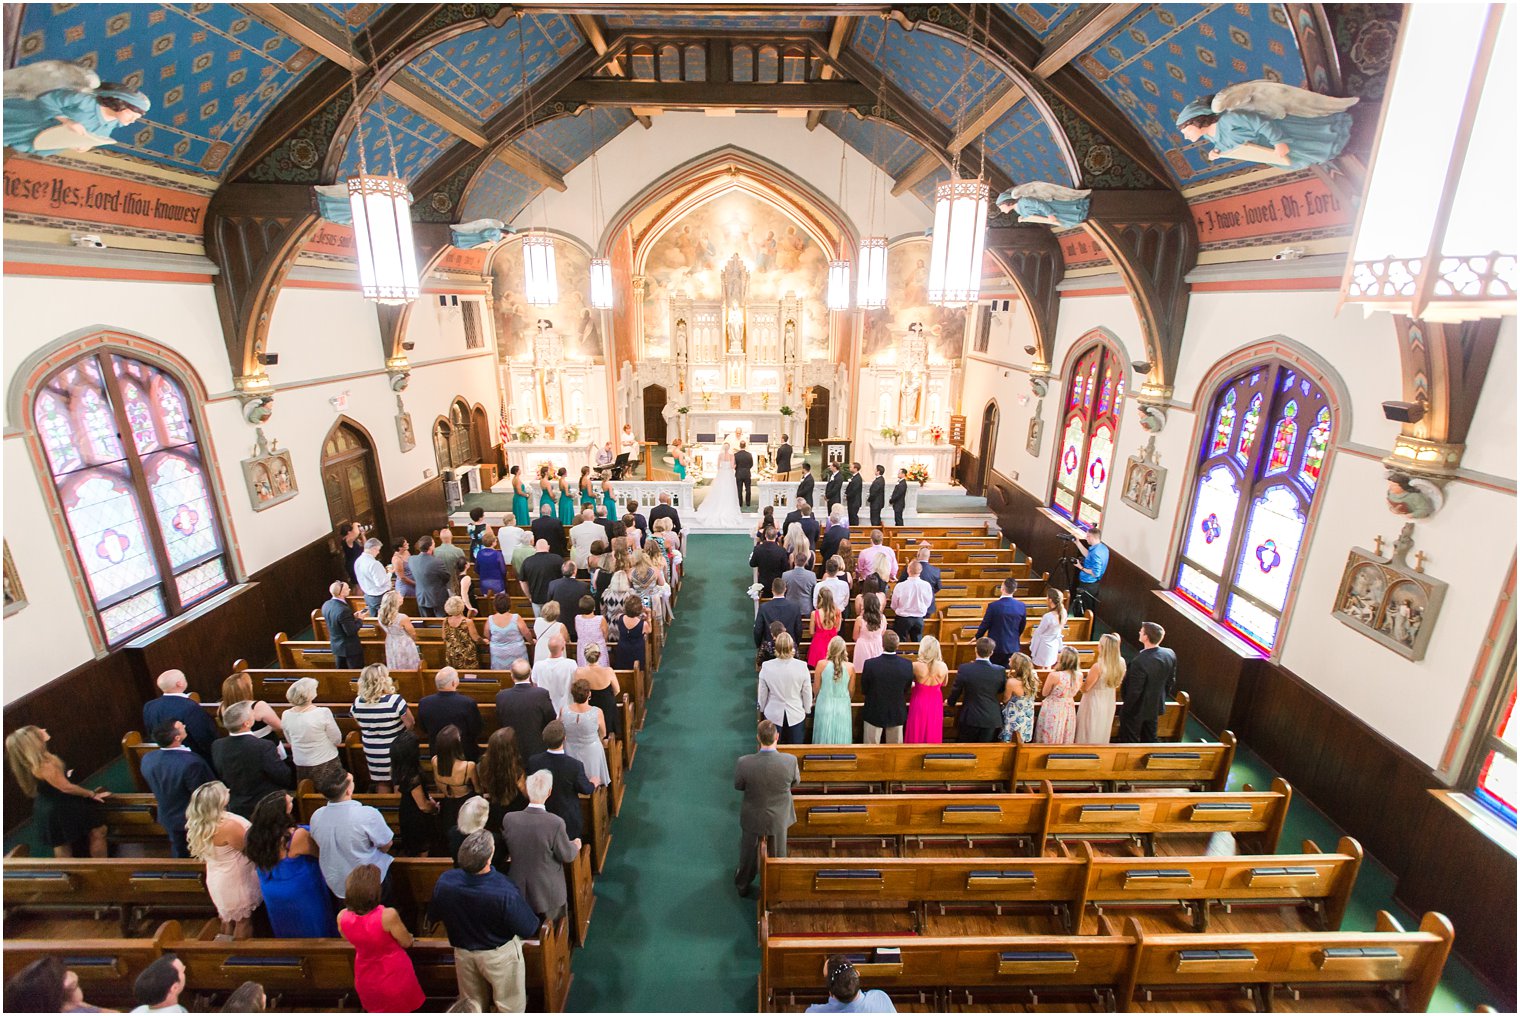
890	150
480	72
1041	19
940	75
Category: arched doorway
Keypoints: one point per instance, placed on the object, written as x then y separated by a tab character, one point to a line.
480	424
988	446
351	480
654	414
817	416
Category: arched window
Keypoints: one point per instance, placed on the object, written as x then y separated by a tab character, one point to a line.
120	443
1094	400
1263	457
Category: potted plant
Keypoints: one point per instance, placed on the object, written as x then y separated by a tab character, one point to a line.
891	434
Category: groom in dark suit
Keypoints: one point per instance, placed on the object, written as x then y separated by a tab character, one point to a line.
743	463
833	488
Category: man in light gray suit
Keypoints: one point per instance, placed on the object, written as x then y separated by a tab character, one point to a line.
539	848
766	778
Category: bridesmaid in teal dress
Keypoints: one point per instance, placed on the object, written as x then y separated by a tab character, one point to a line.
609	500
520	502
832	679
588	492
679	455
546	491
566	498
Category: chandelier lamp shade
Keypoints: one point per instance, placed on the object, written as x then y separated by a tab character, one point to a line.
960	230
601	283
839	285
540	279
871	292
381	208
1435	235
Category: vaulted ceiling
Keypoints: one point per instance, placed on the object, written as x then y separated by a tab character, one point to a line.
481	106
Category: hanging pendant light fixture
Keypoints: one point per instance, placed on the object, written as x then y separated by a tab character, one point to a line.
960	222
839	269
540	275
871	290
382	211
601	268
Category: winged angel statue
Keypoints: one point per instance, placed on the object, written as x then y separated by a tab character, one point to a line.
1049	203
1270	123
54	106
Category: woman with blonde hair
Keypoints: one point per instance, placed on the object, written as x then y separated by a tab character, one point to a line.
217	836
461	643
1057	723
1046	642
1095	713
605	691
400	637
266	722
833	682
799	549
312	732
827	620
381	714
926	702
1018	708
64	812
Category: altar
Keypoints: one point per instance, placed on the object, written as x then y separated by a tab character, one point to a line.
558	454
939	458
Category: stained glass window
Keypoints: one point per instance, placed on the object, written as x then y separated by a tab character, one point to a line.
139	514
1497	774
1087	441
1252	500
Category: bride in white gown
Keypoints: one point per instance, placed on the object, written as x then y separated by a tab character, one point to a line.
720	509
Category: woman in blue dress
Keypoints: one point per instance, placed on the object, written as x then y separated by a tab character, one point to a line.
679	455
285	856
97	113
566	497
521	504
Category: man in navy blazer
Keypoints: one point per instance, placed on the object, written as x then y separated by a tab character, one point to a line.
173	773
984	685
1004	622
570	780
343	629
175	703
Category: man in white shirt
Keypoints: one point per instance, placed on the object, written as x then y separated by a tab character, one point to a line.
866	562
910	602
582	535
831	581
374	578
160	984
555	674
786	691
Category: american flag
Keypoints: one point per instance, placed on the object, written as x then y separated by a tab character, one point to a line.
506	429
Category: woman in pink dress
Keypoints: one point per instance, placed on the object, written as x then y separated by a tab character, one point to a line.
926	703
868	628
383	974
1057	722
217	836
826	622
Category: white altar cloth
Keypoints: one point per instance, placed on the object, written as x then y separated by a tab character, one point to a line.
940	458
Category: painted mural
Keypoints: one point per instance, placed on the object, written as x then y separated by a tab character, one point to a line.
907	302
781	255
573	317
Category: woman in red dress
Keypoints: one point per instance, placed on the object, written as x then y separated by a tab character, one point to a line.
383	974
826	622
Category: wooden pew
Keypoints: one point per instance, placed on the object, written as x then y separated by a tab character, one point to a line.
107	967
1171	725
291	654
1120	765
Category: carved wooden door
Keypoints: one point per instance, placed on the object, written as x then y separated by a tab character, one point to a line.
350	480
654	414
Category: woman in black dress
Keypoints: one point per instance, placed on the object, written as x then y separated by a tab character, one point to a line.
628	650
500	774
65	814
604	688
418	812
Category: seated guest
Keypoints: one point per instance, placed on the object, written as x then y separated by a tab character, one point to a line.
159	986
843	982
778	608
417	813
290	879
174	703
569	778
448	708
217	837
173	774
249	996
486	919
313	733
381	713
525	709
383	973
538	846
250	766
348	834
490	566
554	674
786	691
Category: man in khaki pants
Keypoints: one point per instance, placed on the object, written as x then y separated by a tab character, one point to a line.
487	920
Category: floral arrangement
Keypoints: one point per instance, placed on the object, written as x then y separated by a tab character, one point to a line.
937	433
891	433
527	432
753	592
787	411
918	473
572	434
684	410
706	397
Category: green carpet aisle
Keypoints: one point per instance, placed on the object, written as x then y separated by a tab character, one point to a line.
669	933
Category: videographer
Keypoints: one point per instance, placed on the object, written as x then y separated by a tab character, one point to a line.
1089	571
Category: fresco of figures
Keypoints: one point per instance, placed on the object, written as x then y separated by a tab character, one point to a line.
907	302
573	317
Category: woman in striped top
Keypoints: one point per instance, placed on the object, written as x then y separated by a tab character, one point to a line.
381	714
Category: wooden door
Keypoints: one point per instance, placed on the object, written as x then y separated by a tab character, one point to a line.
485	445
818	417
350	480
987	447
654	414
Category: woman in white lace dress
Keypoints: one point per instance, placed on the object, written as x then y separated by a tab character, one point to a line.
721	508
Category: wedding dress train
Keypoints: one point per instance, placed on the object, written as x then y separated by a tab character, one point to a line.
720	509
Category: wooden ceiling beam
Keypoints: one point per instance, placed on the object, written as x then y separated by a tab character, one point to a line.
699	94
1089	24
282	18
839	31
591	28
530	166
920	168
987	114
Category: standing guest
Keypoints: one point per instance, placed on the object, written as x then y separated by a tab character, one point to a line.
477	530
985	686
381	714
217	837
926	571
418	812
629	649
846	553
805	485
313	733
837	532
833	680
452	557
569	592
383	974
524	709
599	567
585	728
870	630
1004	621
778	608
619	588
876	496
555	673
1095	713
843	981
550	530
250	997
507	634
351	543
1151	678
472	818
786	691
401	567
664	510
173	773
174	703
827	620
784	455
508	535
290	879
912	600
501	778
374	578
238	687
537	573
633	518
159	987
798	584
802	515
648	583
520	500
461	643
1018	710
926	703
447	707
46	986
833	491
833	579
490	566
603	683
1057	722
885	681
1046	642
852	492
799	550
250	766
899	499
539	849
545	627
342	629
582	535
401	652
878	551
432	578
766	779
767	648
348	835
569	778
487	919
519	551
453	774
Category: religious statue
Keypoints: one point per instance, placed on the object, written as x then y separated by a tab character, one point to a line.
478	233
1270	123
1412	496
54	106
1049	203
735	297
332	204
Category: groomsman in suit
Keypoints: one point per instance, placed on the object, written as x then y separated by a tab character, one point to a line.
173	773
784	456
833	488
805	487
852	492
899	500
1150	678
983	683
802	514
743	463
876	497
